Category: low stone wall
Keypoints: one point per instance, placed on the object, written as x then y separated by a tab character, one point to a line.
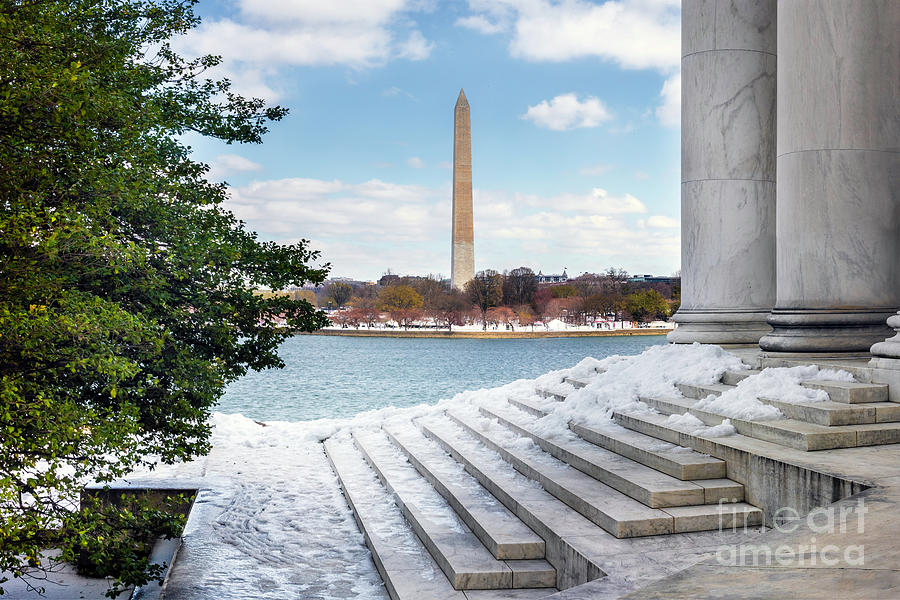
489	334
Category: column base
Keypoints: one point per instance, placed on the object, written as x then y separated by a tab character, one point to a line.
728	327
826	330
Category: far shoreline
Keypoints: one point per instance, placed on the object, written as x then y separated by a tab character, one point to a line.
489	334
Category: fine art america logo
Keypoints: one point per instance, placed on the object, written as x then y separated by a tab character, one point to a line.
828	522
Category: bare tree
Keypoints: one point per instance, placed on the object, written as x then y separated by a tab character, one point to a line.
485	291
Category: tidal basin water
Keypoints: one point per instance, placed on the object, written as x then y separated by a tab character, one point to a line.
337	377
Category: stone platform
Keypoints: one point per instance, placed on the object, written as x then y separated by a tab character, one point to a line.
494	508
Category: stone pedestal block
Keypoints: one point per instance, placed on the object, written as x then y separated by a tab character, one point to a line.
888	350
838	211
728	171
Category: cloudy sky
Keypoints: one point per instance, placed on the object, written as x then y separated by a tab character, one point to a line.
575	129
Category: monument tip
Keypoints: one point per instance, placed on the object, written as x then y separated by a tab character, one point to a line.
461	101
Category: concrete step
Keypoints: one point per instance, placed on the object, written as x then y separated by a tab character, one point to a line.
698	392
837	413
560	526
457	551
851	392
554	394
408	571
838	391
682	463
615	512
501	532
789	432
826	413
633	479
576	382
735	377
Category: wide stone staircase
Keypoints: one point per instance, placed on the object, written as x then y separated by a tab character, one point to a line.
482	503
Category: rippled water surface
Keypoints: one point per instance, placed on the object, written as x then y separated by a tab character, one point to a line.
334	377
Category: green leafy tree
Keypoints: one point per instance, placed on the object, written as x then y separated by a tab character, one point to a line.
646	305
564	291
485	291
399	297
126	288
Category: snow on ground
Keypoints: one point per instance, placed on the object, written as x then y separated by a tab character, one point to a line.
273	523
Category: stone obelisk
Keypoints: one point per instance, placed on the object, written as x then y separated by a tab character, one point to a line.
462	263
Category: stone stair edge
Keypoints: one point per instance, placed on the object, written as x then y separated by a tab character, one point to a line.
531	546
396	580
642	491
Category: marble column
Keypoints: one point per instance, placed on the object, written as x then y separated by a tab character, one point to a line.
728	85
838	214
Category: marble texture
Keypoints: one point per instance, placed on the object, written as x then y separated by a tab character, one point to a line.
728	171
838	213
462	262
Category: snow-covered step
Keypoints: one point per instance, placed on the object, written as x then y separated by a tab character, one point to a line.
735	377
458	552
617	513
787	432
408	571
842	392
501	532
682	463
613	511
646	485
556	393
702	391
559	525
826	413
576	382
533	406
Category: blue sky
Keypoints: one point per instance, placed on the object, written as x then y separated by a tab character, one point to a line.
575	129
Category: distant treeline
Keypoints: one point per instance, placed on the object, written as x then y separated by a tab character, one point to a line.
504	299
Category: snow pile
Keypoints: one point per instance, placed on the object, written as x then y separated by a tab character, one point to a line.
556	325
626	379
782	383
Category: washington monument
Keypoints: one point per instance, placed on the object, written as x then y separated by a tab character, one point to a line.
462	261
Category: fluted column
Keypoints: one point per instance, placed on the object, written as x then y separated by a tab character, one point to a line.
728	85
838	168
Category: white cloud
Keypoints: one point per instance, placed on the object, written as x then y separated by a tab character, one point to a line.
394	91
641	175
227	164
566	111
416	47
364	228
415	162
636	34
669	111
480	24
597	201
264	36
598	169
662	222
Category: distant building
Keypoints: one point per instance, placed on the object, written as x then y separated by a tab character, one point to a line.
541	278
